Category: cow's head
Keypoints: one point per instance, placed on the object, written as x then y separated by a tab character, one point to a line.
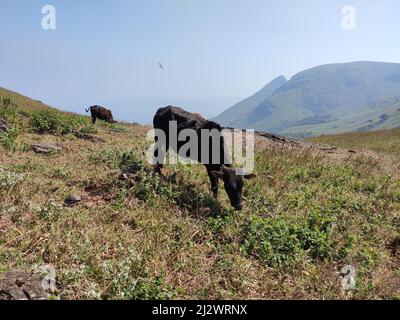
110	117
233	184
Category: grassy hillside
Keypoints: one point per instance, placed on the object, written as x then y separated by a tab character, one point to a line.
308	213
22	101
235	115
383	115
383	141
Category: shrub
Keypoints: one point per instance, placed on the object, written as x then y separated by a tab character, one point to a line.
55	122
130	280
151	187
8	112
153	289
88	129
118	159
5	103
285	240
9	137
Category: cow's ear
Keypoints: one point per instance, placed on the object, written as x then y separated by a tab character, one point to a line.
217	174
250	176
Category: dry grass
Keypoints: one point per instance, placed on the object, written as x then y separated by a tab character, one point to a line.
384	141
25	102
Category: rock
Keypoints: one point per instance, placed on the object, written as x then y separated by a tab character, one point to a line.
116	130
88	137
45	148
73	199
329	149
276	138
127	176
130	178
56	205
4	126
18	285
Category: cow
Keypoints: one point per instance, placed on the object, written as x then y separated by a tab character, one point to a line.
222	169
101	113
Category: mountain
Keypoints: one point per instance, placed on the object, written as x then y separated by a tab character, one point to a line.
356	96
232	116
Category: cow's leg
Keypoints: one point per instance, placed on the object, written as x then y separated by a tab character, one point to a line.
93	119
214	183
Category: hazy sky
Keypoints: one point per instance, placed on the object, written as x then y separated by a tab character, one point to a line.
214	52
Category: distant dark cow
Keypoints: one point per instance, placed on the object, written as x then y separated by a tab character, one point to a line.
233	183
101	113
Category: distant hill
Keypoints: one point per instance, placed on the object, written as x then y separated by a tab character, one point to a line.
22	101
234	115
357	96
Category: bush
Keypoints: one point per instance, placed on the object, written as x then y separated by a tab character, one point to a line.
8	138
286	240
88	129
153	289
128	280
55	122
5	103
129	160
8	111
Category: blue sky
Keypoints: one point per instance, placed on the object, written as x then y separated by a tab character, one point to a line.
214	52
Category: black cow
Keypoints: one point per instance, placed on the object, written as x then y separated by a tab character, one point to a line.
233	183
101	113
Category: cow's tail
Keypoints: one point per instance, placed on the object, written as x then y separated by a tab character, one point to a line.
87	110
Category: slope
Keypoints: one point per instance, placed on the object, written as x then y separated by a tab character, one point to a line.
233	116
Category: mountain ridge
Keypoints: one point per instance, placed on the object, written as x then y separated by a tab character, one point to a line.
320	95
253	101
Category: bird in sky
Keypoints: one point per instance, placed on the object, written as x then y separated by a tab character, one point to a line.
161	66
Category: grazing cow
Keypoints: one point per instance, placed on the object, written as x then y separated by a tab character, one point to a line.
233	183
101	113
